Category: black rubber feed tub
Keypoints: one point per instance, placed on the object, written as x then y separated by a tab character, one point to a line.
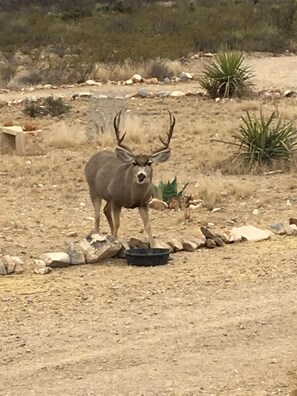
147	257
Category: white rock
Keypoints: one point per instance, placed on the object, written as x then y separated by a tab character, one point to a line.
184	76
250	233
84	94
158	204
56	259
175	245
177	94
92	82
137	78
188	246
41	268
129	82
9	263
255	212
76	254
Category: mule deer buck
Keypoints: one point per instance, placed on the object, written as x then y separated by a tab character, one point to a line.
124	179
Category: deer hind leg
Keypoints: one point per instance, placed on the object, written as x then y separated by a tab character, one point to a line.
116	212
108	215
144	214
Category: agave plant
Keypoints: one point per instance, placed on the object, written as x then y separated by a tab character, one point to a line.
167	191
226	76
262	140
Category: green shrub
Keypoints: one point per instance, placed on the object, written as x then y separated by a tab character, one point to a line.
167	191
226	76
47	106
263	140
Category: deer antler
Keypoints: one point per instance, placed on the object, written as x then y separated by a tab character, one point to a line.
169	134
116	124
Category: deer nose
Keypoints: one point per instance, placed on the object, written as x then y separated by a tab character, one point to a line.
141	177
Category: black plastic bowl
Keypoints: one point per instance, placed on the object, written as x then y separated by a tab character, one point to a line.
146	257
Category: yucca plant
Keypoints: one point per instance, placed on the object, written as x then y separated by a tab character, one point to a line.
263	140
226	76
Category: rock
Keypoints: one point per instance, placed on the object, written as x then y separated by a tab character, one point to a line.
152	80
166	80
135	243
9	263
84	95
92	82
210	243
230	237
291	229
211	235
292	221
129	82
288	93
177	94
277	228
208	55
175	245
105	251
143	93
185	76
199	242
251	233
72	234
137	78
18	265
2	269
121	253
41	267
188	246
76	254
158	204
92	238
161	245
163	94
56	259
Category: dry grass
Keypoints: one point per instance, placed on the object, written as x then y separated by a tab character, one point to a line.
121	72
211	190
62	135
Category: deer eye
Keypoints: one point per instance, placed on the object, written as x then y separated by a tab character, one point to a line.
134	163
149	163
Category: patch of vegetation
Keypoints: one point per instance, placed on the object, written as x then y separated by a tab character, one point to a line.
226	76
260	140
47	106
168	191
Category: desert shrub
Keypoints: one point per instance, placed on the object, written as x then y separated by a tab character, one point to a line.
164	68
47	106
32	78
7	72
226	76
261	140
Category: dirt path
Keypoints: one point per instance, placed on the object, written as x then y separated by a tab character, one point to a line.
215	322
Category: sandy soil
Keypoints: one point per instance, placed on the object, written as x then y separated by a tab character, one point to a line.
214	322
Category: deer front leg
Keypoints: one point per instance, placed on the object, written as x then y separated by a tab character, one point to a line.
144	214
116	212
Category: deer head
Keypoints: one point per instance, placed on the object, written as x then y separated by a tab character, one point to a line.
142	163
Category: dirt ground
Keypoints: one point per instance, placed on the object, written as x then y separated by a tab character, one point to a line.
213	322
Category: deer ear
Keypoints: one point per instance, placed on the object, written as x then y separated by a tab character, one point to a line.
123	154
161	156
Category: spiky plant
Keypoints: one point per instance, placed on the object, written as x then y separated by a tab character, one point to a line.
263	140
226	76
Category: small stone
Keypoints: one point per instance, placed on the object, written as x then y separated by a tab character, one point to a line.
291	229
100	250
9	263
175	245
121	253
19	265
85	95
41	267
152	80
158	244
72	234
289	93
211	235
166	80
188	246
135	243
56	259
76	254
129	82
2	269
210	243
137	78
255	212
142	93
177	94
277	228
158	204
199	242
184	76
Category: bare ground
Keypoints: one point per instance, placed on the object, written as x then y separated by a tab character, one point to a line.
215	322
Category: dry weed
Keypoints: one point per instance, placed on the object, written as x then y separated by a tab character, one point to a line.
63	136
210	189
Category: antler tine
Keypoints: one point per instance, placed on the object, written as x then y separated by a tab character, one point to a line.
169	133
116	124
